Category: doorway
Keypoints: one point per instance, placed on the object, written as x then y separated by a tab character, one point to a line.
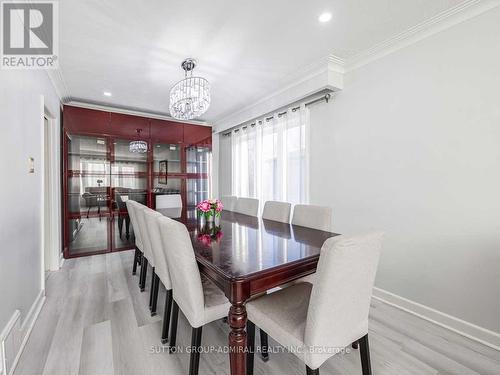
47	196
51	209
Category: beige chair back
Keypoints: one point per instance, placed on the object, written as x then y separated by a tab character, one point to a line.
316	217
277	211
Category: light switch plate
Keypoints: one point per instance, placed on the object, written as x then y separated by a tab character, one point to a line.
31	165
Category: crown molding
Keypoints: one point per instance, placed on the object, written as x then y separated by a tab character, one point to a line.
329	62
335	66
323	74
132	112
441	21
57	80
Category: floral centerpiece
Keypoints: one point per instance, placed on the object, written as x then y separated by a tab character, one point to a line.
209	209
209	231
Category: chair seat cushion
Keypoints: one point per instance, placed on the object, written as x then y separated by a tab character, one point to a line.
283	314
216	303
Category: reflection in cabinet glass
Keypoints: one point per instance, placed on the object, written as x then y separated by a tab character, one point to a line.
126	162
100	173
173	186
88	175
170	153
198	159
87	234
197	190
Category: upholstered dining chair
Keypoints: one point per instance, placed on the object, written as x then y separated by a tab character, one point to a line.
310	216
317	217
229	202
200	300
138	242
277	211
155	280
161	268
147	255
247	206
323	318
305	215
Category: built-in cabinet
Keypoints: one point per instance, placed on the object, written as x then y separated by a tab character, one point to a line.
100	173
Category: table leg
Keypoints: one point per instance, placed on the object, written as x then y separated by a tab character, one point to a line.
237	338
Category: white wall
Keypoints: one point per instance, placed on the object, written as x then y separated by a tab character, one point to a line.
412	146
23	95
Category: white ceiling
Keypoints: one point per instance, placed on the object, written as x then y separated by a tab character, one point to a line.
246	49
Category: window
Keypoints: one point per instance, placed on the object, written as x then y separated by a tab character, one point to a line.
270	158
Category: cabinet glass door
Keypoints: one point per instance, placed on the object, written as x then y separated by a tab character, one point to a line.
166	155
167	169
198	168
198	159
88	194
197	190
129	181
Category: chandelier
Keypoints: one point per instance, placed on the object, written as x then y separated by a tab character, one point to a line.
138	146
190	97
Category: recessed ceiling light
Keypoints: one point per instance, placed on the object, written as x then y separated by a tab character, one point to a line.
106	93
325	17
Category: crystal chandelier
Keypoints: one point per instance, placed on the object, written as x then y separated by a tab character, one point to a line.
138	146
190	97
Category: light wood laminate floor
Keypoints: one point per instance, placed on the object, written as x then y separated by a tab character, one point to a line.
96	322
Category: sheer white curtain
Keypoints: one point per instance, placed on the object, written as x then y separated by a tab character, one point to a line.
270	157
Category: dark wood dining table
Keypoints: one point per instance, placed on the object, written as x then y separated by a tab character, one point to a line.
245	256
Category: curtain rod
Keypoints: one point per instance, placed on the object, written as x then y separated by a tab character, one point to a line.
326	97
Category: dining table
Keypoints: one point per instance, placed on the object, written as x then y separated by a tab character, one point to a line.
246	256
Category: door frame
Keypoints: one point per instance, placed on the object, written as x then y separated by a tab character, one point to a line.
51	228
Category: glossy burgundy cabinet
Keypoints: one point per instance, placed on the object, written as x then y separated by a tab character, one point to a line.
197	134
167	131
126	126
82	120
100	173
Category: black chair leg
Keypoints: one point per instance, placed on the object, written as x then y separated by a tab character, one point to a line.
250	346
312	372
264	346
355	345
144	271
364	353
173	327
166	317
194	360
120	225
151	291
136	260
155	295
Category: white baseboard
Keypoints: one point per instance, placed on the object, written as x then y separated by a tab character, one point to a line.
8	338
469	330
15	335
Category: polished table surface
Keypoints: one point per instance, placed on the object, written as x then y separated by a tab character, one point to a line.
246	245
246	256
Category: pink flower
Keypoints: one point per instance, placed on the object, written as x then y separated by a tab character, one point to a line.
219	235
219	206
204	206
205	239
